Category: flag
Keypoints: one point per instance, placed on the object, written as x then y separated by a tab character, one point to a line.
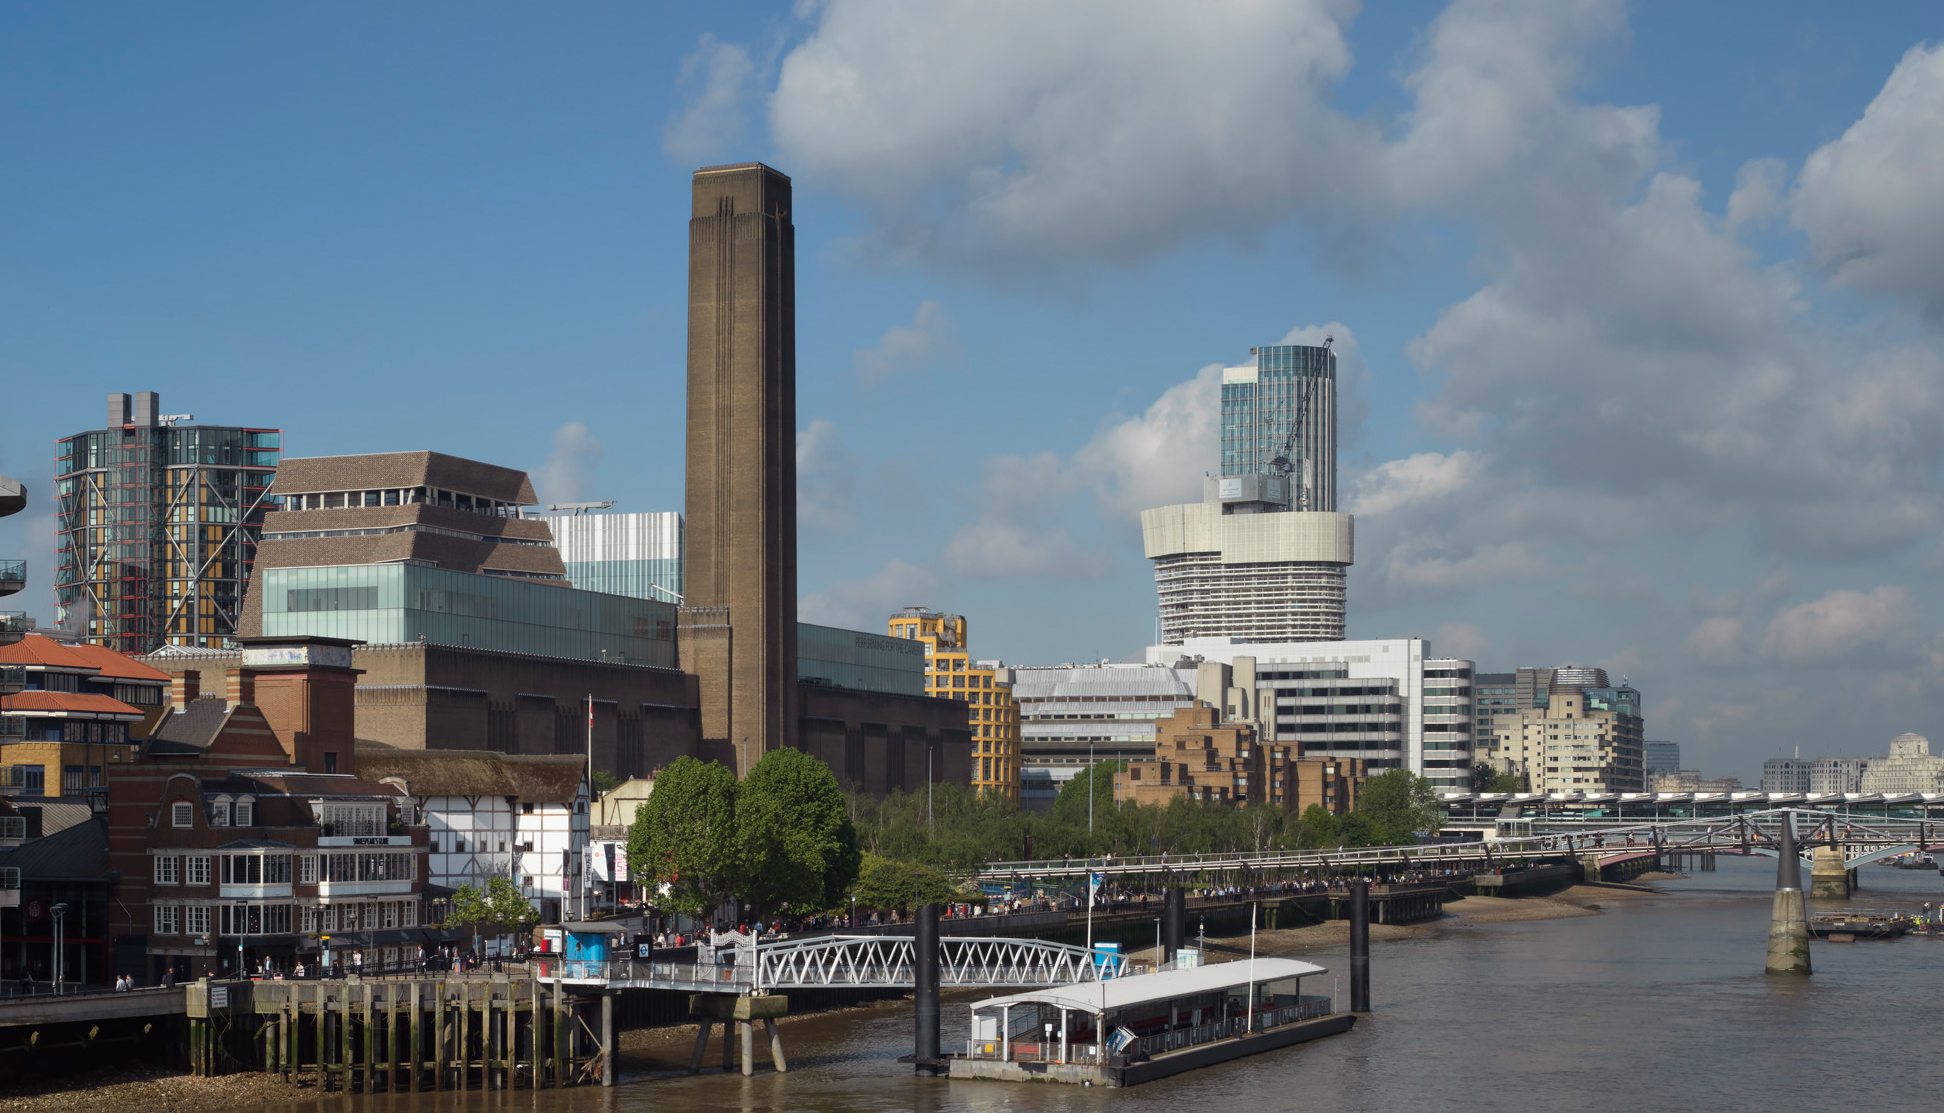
590	711
1094	879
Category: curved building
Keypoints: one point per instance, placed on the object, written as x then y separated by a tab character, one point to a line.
1274	577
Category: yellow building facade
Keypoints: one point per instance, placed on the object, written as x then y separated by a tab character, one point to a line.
950	673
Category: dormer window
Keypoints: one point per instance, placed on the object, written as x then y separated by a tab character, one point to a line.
219	812
245	813
182	814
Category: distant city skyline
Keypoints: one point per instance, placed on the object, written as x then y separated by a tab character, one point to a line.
1707	462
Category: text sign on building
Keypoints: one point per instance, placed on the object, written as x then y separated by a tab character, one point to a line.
219	997
273	656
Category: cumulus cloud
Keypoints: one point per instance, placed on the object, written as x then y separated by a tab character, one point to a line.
1423	565
1871	201
568	474
826	478
929	339
1156	457
1460	639
863	604
1838	624
1717	639
1761	193
719	83
1021	134
1415	481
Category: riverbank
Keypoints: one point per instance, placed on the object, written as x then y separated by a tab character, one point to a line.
145	1089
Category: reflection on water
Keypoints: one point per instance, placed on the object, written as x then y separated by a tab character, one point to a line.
1660	1004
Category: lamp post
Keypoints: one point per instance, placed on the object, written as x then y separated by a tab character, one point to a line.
1090	786
60	943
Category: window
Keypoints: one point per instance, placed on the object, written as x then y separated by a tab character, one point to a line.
245	812
308	870
197	871
168	869
219	812
168	919
182	814
196	920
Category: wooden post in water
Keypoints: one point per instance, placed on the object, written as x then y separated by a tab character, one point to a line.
607	1039
370	1042
465	1032
414	1037
563	1033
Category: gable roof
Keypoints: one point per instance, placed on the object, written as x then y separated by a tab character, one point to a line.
540	778
379	470
38	649
190	728
93	702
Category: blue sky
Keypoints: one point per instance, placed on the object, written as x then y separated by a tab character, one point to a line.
1640	303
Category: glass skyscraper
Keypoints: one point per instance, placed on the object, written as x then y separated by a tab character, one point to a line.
159	525
1284	408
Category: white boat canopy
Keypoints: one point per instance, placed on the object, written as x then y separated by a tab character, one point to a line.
1164	985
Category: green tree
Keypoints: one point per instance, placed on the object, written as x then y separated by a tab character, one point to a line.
605	782
1317	828
1485	778
798	848
684	837
509	909
470	909
894	883
1398	805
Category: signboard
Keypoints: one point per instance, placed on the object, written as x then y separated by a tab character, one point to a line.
219	997
1230	488
272	656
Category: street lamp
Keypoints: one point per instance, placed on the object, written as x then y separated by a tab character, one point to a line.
60	943
1090	786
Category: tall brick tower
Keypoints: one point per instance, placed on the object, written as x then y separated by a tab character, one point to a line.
739	616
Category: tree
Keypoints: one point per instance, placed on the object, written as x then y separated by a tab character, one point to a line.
470	909
798	848
1485	778
510	909
1398	805
893	883
605	782
1317	828
684	836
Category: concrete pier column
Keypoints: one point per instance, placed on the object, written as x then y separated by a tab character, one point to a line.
1829	877
925	996
1788	941
608	1047
1360	946
777	1060
701	1046
746	1037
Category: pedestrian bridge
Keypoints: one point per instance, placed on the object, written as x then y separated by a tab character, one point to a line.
845	962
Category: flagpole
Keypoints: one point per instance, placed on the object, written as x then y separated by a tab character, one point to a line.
587	846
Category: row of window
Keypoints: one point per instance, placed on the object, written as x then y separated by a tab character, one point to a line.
278	919
275	868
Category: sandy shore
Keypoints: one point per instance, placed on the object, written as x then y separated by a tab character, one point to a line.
153	1088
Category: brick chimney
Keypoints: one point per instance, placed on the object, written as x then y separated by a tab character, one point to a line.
242	686
304	687
184	687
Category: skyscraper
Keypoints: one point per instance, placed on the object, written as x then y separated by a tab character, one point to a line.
1279	418
159	523
738	623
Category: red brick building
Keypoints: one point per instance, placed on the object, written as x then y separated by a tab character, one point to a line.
242	836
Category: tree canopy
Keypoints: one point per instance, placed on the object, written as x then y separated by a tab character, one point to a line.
684	836
499	905
1398	804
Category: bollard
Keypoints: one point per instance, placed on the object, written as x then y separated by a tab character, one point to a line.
1360	946
925	981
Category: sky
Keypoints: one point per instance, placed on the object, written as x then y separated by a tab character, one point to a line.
1638	308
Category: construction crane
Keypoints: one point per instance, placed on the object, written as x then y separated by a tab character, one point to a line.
1283	463
579	507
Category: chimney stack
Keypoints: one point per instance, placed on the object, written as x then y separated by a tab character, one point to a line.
185	687
242	687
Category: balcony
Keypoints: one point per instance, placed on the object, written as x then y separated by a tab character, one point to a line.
13	576
10	887
13	728
13	678
15	622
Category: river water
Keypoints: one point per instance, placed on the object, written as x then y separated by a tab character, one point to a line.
1656	1004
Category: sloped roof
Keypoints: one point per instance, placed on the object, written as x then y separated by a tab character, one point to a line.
1163	985
93	702
192	727
374	471
75	853
546	778
37	649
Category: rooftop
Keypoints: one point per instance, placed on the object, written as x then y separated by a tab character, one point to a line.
1163	985
542	778
45	652
380	470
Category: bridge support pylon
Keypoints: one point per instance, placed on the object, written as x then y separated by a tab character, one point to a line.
924	961
1360	946
1174	923
1788	941
1829	875
738	1017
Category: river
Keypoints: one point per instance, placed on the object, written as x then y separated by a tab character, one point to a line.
1656	1004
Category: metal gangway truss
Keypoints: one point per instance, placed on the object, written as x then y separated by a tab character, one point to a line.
849	962
1861	839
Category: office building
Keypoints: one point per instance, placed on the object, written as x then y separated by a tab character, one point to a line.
1582	741
739	625
1690	780
1073	715
637	554
158	525
951	673
1279	419
1909	767
1837	774
13	572
1386	703
1493	694
1786	774
1662	757
1199	755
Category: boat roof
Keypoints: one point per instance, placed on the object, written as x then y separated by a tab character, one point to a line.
1163	985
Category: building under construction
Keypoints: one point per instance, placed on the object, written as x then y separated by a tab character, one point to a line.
159	523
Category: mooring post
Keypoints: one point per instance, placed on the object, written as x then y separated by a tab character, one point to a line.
1360	946
607	1039
1174	923
1788	941
924	962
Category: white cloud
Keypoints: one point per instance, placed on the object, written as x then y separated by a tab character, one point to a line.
1872	201
1838	624
1421	565
1761	193
1460	639
1158	456
720	82
864	604
568	474
1414	481
1028	134
1023	527
929	339
826	478
1717	639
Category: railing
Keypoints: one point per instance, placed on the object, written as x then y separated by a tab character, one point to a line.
13	728
1035	1049
15	622
13	678
13	572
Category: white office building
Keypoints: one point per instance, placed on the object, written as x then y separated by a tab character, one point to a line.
1385	701
1072	714
1236	566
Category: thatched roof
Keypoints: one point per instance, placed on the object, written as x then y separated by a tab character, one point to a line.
538	779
